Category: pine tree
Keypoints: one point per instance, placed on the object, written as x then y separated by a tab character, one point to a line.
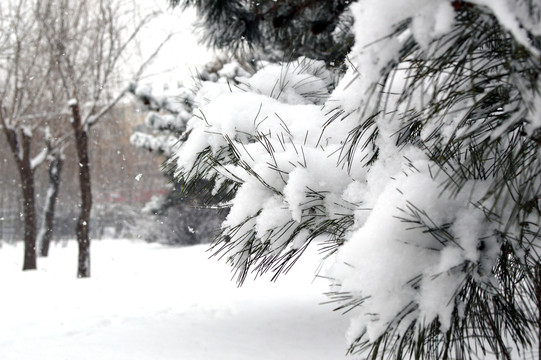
183	215
418	169
276	30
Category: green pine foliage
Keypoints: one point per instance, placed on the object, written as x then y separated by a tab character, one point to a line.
186	215
276	29
480	71
466	103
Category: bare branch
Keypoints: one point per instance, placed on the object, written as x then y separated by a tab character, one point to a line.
92	119
11	134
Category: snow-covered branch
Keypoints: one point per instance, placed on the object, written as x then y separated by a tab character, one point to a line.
39	158
419	170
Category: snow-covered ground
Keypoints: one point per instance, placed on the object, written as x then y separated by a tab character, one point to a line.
146	301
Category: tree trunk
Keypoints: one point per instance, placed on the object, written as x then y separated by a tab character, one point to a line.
29	206
82	230
46	232
21	154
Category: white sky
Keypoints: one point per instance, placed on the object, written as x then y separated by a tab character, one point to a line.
181	55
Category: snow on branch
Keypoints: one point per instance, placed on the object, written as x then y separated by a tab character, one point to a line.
418	170
39	158
518	23
163	144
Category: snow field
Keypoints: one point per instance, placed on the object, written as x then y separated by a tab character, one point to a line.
147	301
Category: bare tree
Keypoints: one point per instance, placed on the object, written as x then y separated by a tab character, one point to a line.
56	161
24	78
87	41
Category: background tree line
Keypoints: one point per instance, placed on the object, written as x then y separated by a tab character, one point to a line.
60	75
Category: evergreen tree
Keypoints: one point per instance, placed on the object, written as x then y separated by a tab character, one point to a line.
418	169
184	215
276	29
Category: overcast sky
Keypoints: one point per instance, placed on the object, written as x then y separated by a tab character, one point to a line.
178	59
